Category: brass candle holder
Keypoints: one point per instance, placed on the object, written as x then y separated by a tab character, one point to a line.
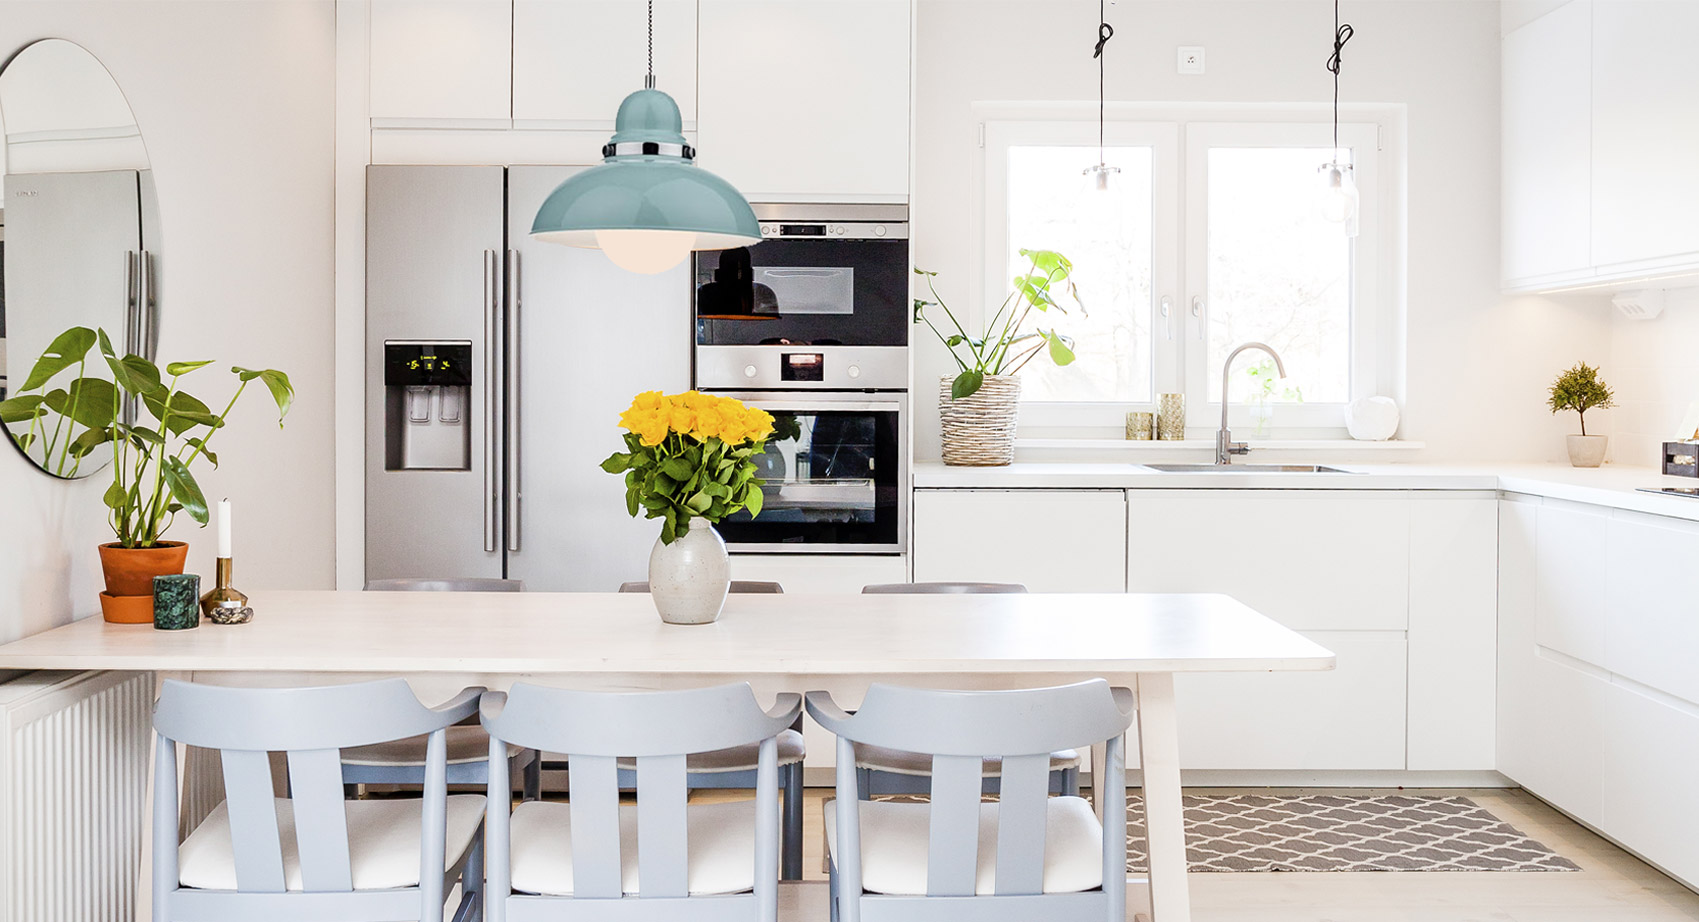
224	603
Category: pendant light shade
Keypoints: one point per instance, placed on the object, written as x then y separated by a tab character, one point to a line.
648	205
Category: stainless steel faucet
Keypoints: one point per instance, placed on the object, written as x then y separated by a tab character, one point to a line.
1225	447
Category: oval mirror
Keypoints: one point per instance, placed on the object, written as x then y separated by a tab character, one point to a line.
78	252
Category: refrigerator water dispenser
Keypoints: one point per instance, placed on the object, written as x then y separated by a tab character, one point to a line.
427	405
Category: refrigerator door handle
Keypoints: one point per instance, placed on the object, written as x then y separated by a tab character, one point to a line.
491	331
132	303
514	416
148	308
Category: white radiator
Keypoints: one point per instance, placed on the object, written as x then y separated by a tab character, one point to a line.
74	750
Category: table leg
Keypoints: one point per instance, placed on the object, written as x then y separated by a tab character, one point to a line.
1165	836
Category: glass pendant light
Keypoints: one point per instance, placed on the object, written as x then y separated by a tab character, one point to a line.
1338	180
648	205
1100	177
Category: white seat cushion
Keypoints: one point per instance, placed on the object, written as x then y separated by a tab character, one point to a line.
465	744
383	843
894	846
898	762
721	842
738	758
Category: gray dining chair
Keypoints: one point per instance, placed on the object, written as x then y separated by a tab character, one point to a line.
312	854
455	584
1025	856
661	858
888	771
735	767
403	761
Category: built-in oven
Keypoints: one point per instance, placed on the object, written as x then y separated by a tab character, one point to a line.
837	475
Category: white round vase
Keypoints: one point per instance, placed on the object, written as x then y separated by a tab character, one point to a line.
688	578
1371	419
1587	450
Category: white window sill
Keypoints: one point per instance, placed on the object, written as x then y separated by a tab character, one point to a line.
1158	445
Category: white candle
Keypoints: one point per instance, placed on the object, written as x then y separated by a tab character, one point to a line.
224	528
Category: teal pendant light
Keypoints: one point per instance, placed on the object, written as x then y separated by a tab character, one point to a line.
648	205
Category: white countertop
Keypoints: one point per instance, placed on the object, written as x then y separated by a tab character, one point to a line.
1611	485
613	634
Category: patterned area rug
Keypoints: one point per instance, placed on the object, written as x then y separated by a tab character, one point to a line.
1341	832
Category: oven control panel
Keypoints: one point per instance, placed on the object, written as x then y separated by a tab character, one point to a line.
784	367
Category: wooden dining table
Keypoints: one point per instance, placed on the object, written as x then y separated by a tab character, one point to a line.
442	642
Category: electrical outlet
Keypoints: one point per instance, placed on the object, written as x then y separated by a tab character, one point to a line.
1191	59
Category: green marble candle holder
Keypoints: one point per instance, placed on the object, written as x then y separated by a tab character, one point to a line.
176	601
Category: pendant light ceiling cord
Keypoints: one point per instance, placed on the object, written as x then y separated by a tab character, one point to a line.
1105	32
1341	34
649	81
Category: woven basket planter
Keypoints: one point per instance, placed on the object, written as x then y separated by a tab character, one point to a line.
979	430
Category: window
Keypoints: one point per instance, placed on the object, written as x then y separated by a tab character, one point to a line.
1170	291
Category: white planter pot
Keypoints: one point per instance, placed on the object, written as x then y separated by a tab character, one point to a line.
688	578
1587	450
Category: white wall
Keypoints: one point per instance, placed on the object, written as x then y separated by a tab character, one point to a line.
1654	367
235	102
1476	363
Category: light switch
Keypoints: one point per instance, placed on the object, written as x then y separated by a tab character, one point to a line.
1191	59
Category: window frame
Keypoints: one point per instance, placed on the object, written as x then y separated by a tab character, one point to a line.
1180	136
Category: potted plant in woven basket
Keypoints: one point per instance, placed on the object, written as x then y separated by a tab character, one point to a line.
977	406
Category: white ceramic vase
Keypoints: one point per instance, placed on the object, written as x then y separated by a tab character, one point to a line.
1587	450
688	578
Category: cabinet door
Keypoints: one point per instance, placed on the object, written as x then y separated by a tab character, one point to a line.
1651	581
1650	803
1315	560
1570	601
1453	637
1049	540
441	59
1546	70
829	573
804	100
575	60
1645	131
1518	527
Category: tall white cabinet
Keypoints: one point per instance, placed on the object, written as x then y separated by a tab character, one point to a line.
1600	109
441	60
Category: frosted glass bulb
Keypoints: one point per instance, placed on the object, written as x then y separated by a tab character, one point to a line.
1101	177
646	252
1339	198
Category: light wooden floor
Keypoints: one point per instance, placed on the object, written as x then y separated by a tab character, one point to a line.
1612	885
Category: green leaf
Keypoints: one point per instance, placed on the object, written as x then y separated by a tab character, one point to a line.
105	343
67	349
668	532
21	409
678	469
115	496
205	452
187	411
134	374
92	402
699	502
1051	263
182	368
966	384
1036	290
89	441
1060	353
282	392
753	497
184	488
617	462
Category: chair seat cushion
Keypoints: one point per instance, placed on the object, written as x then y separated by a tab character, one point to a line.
383	843
738	758
898	762
721	847
894	841
465	744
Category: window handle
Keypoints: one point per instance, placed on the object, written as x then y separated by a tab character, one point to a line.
1197	314
1167	309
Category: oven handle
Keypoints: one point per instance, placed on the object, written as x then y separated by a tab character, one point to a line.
791	405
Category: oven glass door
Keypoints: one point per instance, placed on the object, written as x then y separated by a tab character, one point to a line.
823	292
833	483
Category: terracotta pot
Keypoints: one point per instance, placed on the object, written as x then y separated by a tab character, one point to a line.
1586	450
130	571
126	609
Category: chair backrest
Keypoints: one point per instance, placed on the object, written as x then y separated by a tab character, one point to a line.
941	588
958	729
659	730
458	584
310	725
738	587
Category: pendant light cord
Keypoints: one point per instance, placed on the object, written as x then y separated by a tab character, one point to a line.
1341	34
1105	32
649	81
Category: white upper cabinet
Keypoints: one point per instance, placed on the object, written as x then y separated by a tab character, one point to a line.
806	99
1600	146
441	59
575	60
1645	134
1547	73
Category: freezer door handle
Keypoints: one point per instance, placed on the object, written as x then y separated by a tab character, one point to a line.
132	321
491	420
515	419
149	307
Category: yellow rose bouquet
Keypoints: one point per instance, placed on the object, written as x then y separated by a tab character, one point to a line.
689	455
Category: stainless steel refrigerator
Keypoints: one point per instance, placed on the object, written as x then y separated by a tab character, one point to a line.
496	370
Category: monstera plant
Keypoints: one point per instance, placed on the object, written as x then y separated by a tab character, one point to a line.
155	430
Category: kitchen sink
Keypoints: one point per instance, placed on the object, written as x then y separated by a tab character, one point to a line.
1247	469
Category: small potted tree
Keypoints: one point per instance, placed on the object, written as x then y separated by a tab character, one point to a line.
1580	389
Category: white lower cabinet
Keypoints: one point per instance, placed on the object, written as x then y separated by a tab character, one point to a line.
821	572
1598	711
1048	540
